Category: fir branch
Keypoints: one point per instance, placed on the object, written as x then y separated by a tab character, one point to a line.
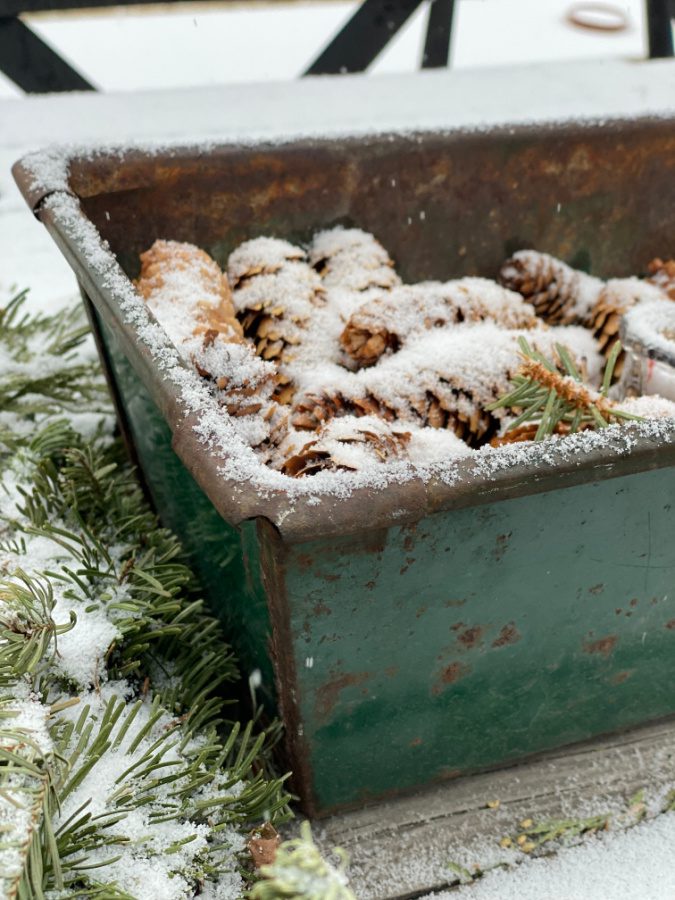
188	769
553	396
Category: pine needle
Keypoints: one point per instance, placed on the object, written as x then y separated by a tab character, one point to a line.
553	395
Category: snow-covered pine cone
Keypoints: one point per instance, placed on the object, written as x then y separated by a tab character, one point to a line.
616	298
276	293
352	259
313	410
383	323
187	291
662	274
444	378
190	297
560	294
350	444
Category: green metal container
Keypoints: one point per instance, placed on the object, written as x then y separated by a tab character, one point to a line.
430	629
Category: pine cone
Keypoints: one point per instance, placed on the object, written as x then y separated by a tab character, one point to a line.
352	259
190	298
443	379
516	435
616	298
187	292
260	256
662	274
348	444
383	323
313	410
560	294
276	296
526	433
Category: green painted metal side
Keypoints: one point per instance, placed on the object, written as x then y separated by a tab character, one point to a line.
226	559
483	635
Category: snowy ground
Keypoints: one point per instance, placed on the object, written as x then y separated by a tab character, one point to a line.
128	51
630	865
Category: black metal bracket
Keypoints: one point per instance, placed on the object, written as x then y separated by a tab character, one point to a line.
37	68
364	36
32	64
660	14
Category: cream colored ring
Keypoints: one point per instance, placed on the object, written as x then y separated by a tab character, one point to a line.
598	16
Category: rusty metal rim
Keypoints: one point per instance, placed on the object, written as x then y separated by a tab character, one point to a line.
366	508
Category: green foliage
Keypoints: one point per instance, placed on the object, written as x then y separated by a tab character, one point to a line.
141	760
300	871
45	373
534	835
554	396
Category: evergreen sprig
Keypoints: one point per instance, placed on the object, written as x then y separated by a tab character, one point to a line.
46	373
161	697
300	871
554	397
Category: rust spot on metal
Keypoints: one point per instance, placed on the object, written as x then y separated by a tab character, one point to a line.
502	544
416	742
634	601
449	675
331	578
408	562
370	585
408	543
454	603
508	635
596	589
620	677
421	611
670	625
603	646
391	671
320	609
457	626
305	561
618	611
328	695
454	672
470	636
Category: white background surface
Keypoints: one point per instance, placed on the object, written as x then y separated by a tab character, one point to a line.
211	43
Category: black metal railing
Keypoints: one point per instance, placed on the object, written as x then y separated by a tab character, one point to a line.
37	68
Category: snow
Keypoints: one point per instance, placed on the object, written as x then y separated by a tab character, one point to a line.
636	864
232	439
152	867
651	327
81	650
432	99
26	717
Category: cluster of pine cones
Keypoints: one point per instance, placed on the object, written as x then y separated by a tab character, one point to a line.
318	345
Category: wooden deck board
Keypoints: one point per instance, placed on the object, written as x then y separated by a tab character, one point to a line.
400	848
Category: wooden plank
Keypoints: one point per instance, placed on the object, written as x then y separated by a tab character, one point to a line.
401	848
